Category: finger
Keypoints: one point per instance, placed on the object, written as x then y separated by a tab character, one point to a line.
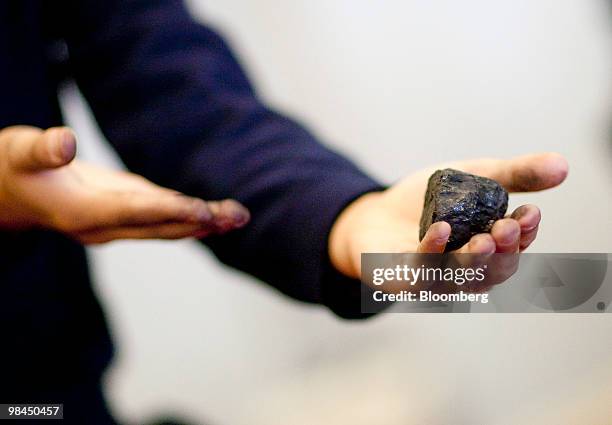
228	214
527	240
32	149
134	209
138	209
482	243
525	173
506	233
170	231
528	217
435	239
482	248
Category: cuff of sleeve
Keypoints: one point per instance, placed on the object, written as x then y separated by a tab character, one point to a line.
342	294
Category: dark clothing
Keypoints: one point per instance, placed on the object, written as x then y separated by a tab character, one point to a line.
172	100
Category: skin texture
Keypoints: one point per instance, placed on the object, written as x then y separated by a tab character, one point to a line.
43	186
389	221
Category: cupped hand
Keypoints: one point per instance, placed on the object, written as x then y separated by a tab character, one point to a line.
43	186
388	221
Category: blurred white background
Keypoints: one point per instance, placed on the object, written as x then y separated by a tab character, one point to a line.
396	85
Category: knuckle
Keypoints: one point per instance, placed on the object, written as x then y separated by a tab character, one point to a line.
10	134
15	130
214	207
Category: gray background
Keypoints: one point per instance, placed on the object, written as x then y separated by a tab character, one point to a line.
396	85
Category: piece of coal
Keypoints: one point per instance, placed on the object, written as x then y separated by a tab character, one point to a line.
469	203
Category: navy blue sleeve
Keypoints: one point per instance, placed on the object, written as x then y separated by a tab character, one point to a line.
171	98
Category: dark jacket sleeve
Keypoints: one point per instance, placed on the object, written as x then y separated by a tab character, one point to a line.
175	104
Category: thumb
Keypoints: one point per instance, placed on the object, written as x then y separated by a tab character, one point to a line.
34	150
526	173
435	239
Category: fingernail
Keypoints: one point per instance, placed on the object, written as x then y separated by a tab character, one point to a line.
518	214
67	145
241	217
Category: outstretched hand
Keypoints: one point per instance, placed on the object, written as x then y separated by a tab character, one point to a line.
389	221
43	186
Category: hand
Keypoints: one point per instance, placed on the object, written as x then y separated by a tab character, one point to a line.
389	221
43	186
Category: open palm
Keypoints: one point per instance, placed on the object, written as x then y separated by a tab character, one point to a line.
389	221
42	185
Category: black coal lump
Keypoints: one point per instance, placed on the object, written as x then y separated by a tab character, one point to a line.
469	203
